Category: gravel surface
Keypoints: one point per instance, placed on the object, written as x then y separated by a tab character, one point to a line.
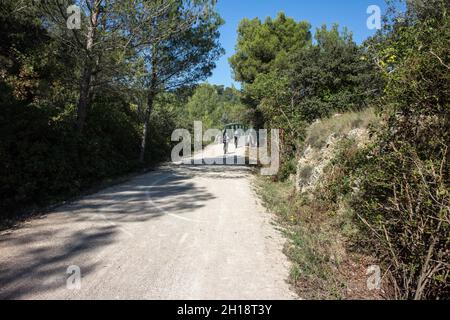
181	232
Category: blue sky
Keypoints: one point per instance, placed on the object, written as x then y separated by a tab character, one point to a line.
349	13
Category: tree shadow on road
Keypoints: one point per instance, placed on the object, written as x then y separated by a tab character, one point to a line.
34	258
42	268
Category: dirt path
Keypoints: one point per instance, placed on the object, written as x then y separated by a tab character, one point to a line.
182	232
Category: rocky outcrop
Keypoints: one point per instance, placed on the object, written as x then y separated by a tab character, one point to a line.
311	165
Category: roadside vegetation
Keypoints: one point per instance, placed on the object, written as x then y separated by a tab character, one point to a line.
365	172
328	261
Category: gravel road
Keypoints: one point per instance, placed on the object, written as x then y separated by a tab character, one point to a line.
180	232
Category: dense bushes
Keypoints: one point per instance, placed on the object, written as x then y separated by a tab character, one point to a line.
393	190
404	184
43	158
400	205
404	202
398	187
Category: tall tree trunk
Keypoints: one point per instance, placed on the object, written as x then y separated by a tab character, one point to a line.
153	87
86	78
148	112
83	101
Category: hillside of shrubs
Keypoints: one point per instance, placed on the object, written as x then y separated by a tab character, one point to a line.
365	174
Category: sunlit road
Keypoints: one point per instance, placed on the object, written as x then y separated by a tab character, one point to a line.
180	232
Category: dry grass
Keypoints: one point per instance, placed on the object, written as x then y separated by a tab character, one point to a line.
339	125
322	266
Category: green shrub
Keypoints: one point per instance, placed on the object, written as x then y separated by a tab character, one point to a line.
287	169
45	159
403	198
404	202
306	172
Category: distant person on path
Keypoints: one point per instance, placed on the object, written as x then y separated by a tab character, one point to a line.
226	139
236	138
